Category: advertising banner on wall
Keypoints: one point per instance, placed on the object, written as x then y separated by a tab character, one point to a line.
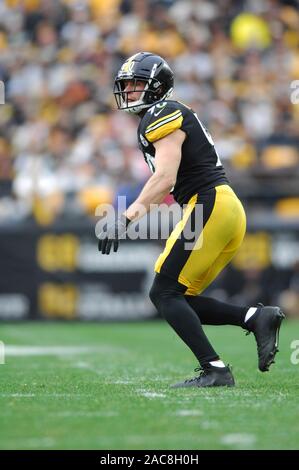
59	274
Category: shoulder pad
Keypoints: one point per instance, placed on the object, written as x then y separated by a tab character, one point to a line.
162	119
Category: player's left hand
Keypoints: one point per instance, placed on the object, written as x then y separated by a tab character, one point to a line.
112	234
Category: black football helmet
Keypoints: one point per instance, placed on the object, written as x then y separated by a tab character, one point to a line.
151	69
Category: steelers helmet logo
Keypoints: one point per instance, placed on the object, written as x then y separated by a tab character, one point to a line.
128	66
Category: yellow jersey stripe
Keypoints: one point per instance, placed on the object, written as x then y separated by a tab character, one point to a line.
162	119
164	129
163	122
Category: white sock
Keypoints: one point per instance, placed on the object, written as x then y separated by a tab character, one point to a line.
217	363
249	313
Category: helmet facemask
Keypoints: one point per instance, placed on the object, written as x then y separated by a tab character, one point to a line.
152	92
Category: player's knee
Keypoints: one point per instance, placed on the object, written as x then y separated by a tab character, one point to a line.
155	293
163	289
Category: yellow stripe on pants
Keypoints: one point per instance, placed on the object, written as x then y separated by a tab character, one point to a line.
219	240
176	233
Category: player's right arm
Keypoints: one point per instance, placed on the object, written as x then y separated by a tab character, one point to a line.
167	162
168	158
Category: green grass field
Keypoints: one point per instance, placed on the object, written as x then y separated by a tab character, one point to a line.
114	393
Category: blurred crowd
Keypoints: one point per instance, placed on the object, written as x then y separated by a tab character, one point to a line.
63	147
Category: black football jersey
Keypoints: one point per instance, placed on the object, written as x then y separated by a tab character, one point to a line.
200	168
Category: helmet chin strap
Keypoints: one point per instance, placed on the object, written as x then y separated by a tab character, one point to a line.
138	106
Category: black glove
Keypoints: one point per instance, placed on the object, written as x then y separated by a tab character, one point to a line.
111	235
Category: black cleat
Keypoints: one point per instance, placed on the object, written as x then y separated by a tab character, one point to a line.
210	376
266	332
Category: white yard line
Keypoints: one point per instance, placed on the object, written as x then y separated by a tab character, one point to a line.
238	439
119	382
85	414
17	395
44	395
14	350
184	413
87	366
147	394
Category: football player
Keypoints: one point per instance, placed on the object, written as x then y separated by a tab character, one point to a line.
182	157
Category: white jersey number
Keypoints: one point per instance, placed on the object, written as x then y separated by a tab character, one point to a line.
150	161
209	138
